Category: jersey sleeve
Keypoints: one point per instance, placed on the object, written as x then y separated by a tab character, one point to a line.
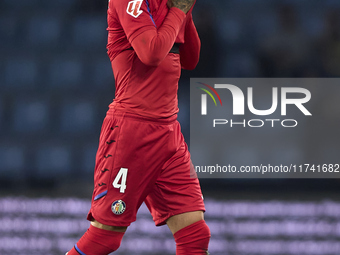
190	49
134	16
151	44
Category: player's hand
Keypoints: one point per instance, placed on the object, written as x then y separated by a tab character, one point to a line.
183	5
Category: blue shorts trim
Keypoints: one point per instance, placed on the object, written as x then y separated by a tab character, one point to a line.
100	195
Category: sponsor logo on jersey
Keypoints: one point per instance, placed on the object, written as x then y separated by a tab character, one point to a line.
133	8
118	207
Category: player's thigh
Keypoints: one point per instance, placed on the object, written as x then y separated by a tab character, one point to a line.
183	220
177	190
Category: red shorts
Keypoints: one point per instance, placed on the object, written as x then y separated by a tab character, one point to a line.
142	160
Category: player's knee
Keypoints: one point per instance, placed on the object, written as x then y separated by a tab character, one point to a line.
193	239
97	241
114	240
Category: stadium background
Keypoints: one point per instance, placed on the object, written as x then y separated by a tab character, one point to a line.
55	85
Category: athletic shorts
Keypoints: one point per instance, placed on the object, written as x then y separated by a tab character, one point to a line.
142	160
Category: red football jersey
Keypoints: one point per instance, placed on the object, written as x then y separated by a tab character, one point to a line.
143	89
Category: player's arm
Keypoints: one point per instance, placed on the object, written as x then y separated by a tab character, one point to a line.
190	49
151	44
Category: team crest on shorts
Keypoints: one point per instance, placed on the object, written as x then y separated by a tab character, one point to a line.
118	207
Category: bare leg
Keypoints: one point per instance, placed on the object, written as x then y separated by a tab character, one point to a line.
183	220
106	227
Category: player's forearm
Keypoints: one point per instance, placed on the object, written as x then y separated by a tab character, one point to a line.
190	49
152	46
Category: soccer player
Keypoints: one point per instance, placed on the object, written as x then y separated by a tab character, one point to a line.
142	155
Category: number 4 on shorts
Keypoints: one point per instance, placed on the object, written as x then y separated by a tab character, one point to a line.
120	180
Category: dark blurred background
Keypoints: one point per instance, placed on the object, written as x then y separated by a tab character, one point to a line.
56	83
